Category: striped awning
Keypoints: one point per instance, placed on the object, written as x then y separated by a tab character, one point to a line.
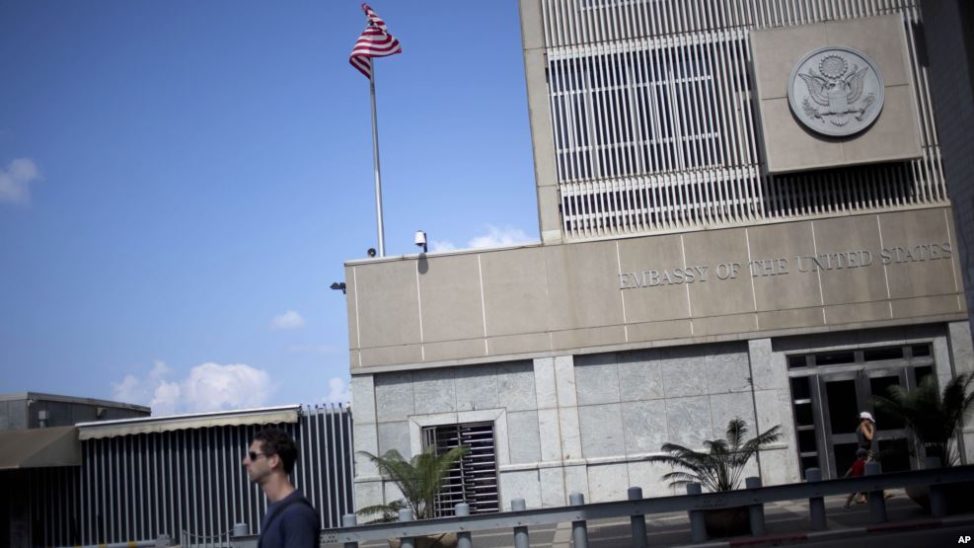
146	425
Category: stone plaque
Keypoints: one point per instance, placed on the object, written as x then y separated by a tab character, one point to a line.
836	91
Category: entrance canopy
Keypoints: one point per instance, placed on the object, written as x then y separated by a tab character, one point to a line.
40	448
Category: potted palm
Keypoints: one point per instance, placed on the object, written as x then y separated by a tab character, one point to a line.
419	479
719	468
935	418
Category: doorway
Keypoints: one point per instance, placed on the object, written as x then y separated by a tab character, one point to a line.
829	389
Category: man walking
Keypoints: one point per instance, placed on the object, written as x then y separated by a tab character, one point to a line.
290	521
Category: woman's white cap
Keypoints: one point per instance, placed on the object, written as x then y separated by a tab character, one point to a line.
867	415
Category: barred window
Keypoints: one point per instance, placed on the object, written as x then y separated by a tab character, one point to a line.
636	112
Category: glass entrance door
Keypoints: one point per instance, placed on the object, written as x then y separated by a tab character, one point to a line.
841	401
843	396
894	443
830	388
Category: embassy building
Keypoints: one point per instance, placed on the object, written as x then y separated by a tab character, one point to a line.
743	213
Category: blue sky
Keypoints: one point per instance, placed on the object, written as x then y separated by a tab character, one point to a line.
181	181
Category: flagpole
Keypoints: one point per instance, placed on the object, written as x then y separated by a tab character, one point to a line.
375	162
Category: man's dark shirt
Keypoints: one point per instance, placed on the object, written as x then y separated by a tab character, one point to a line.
295	525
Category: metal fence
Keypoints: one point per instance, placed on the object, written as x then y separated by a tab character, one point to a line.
654	123
519	520
187	484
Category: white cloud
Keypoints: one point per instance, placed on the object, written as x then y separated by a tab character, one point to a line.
500	237
288	320
439	246
493	237
338	391
208	387
15	181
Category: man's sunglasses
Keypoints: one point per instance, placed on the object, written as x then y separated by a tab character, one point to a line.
254	455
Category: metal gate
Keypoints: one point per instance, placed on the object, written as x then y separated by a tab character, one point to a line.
474	478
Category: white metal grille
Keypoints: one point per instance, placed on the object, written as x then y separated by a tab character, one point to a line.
186	483
654	128
472	480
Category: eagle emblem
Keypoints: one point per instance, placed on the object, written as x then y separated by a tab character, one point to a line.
837	91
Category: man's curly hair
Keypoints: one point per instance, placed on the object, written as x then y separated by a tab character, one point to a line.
275	441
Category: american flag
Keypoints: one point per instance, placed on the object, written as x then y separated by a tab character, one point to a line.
375	41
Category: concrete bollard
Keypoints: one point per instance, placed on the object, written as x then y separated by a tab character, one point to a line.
877	500
349	520
407	515
755	511
816	505
638	522
938	500
698	529
579	528
520	532
463	537
240	530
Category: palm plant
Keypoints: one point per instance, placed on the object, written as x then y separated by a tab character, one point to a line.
419	479
719	468
933	417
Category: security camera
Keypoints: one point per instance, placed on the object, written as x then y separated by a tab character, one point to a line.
420	240
371	252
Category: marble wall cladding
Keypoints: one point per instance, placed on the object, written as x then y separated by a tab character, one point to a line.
640	376
682	394
644	426
440	393
689	420
434	391
601	430
724	407
363	386
552	487
778	466
684	372
368	493
607	482
524	437
727	373
647	475
394	435
476	388
597	379
515	386
960	344
576	480
393	396
521	484
545	387
366	439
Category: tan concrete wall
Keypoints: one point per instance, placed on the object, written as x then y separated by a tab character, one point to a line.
789	146
738	283
539	112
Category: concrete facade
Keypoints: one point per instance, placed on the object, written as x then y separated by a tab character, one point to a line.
736	283
683	296
791	147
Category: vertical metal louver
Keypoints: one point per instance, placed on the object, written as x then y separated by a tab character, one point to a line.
188	484
655	130
472	480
